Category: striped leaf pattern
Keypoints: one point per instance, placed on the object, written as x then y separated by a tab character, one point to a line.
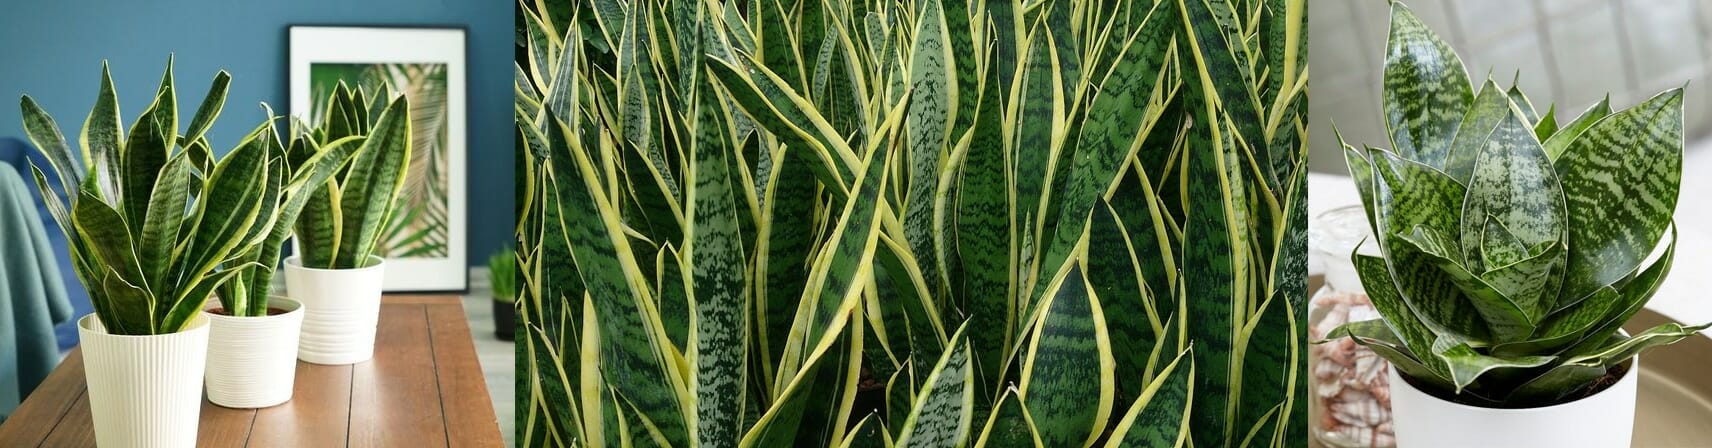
1513	247
928	223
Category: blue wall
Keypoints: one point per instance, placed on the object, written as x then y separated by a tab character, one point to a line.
52	50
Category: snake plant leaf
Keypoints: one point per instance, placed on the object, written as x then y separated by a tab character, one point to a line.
1425	89
933	93
235	187
1627	347
1576	372
907	297
1633	157
160	226
1378	336
307	178
1566	326
1037	119
1267	367
1068	375
1546	126
1515	183
1489	107
133	309
45	135
900	396
1466	364
945	407
1500	314
715	259
985	241
1116	280
1634	294
788	119
1427	290
1160	416
868	433
1571	131
1118	113
1529	114
1010	424
209	110
1361	171
1212	267
102	139
834	283
784	241
1220	70
147	149
103	230
823	379
627	321
375	180
1415	335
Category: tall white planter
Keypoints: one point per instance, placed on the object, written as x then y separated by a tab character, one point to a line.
340	310
1605	419
252	361
144	391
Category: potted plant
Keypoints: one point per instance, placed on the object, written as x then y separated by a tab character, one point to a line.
335	274
153	225
502	272
1512	250
252	352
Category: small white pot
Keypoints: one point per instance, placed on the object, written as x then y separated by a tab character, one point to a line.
144	391
340	310
252	361
1605	419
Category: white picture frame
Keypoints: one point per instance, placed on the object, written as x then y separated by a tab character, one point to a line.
310	45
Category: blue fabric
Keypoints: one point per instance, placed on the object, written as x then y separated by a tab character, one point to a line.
32	295
19	155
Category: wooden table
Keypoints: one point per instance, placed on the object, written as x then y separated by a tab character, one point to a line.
424	388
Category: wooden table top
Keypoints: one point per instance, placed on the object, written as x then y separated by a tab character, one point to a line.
424	388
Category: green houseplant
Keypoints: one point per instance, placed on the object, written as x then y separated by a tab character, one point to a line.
1513	249
856	223
154	224
254	340
335	274
502	272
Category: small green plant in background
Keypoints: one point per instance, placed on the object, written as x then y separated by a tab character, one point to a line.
343	220
502	272
875	223
155	221
1513	246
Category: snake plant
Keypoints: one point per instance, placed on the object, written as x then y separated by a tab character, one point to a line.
502	269
1513	248
342	221
155	222
876	223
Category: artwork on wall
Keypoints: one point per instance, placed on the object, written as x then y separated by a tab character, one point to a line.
424	241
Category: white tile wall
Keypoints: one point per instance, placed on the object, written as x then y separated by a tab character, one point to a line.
1572	52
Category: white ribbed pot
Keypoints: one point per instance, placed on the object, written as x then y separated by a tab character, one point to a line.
1604	420
144	391
340	310
252	361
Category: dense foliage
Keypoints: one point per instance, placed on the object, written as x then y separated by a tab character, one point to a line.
918	223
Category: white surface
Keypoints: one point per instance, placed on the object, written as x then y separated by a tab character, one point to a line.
341	308
313	44
1682	297
1604	420
144	391
252	361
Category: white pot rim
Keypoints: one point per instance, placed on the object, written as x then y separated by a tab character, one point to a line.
296	262
1629	375
197	322
274	301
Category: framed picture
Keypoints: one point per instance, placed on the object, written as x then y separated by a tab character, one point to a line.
424	242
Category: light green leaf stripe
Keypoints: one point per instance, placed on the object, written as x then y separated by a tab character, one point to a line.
1569	133
1489	108
933	92
1425	89
1632	158
945	407
1160	416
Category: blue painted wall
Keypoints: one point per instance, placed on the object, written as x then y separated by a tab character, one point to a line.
52	50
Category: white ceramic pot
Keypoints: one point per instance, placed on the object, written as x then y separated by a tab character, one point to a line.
1602	420
252	361
340	310
144	391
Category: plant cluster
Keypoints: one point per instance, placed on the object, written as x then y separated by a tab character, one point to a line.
343	220
1513	247
926	223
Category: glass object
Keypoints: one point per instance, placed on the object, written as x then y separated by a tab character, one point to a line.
1350	405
